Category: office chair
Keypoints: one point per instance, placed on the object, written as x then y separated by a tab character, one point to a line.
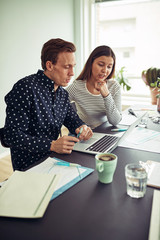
2	138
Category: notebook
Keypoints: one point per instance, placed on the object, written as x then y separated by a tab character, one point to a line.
27	194
101	142
154	230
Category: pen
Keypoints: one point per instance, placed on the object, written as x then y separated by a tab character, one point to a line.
131	112
119	129
67	164
79	132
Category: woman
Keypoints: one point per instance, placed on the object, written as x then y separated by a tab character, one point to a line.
96	95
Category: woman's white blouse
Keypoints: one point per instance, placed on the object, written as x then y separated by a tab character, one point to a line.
94	109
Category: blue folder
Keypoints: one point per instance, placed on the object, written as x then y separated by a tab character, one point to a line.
73	181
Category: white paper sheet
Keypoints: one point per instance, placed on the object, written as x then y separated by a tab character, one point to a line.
69	175
143	139
127	119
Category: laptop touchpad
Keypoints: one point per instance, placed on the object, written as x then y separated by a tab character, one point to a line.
90	141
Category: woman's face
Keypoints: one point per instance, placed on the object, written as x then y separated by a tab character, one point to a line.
101	68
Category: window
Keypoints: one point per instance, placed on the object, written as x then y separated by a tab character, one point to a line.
131	29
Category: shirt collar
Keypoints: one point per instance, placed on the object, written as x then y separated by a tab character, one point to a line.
47	82
44	80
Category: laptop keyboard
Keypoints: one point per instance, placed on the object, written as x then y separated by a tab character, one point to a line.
103	144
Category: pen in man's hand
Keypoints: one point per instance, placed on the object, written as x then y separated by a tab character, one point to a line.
131	112
79	132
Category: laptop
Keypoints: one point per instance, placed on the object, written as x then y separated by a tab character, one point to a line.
101	142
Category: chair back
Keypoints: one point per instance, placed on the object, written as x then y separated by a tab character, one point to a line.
2	138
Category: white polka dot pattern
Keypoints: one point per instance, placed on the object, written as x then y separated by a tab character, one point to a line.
34	117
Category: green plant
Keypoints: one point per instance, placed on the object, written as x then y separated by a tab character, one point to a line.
119	76
151	77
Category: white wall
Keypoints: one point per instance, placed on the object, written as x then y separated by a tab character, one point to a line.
24	27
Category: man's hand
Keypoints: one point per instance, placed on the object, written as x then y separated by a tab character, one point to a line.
85	132
63	144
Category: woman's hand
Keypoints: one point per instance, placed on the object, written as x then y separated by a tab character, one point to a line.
102	87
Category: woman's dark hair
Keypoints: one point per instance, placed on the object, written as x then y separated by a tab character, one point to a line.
97	52
52	48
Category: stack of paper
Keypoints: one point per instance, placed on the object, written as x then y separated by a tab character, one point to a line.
153	169
153	174
27	194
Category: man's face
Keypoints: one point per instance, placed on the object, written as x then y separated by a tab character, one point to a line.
62	72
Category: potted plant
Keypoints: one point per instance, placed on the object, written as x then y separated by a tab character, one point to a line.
119	76
158	100
151	77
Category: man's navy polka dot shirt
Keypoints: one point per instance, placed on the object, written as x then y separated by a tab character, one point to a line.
35	114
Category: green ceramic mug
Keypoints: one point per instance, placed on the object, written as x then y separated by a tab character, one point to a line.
106	165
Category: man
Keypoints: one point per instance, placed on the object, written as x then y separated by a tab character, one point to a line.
38	106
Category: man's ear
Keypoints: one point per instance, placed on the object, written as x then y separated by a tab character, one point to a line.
49	66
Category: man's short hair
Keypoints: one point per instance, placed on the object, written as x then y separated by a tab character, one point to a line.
52	48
